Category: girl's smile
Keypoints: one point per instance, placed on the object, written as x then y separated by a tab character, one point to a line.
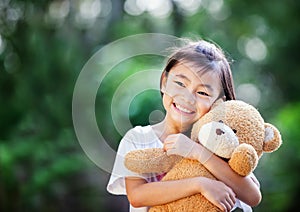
182	109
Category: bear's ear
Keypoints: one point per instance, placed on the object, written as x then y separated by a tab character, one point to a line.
272	138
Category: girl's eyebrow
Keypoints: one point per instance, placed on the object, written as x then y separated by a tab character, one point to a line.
183	77
209	87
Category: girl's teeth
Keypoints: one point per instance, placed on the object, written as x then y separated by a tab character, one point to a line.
183	109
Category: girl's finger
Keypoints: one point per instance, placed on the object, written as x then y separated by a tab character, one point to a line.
228	205
232	198
230	202
168	146
172	137
168	141
222	206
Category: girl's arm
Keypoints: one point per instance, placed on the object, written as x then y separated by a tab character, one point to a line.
140	193
245	188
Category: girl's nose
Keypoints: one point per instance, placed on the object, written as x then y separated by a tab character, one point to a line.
189	97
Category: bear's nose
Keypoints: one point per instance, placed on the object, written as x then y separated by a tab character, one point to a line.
219	131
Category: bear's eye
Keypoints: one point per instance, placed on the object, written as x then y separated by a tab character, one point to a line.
234	130
221	121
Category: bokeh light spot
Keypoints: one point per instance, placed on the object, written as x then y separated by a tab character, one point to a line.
249	93
255	49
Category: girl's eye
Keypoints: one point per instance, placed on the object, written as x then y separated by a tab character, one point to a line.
180	83
203	93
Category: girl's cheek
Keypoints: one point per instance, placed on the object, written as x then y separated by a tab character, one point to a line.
204	106
172	91
166	101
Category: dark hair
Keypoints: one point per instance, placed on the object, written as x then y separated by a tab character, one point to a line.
207	57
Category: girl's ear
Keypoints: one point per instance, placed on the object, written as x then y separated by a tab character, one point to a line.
163	83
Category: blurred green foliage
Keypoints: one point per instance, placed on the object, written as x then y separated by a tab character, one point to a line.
45	44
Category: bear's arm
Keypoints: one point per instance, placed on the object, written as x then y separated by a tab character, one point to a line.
244	159
153	160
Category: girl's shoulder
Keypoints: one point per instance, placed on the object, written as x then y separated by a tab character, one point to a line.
141	132
143	135
142	129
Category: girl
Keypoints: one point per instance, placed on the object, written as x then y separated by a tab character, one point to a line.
195	76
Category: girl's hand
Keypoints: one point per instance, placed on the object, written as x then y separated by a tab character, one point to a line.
179	144
217	193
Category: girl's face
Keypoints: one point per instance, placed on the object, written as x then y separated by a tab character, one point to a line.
188	95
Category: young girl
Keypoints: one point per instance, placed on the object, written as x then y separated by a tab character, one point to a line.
194	77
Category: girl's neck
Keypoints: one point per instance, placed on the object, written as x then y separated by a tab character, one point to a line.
163	130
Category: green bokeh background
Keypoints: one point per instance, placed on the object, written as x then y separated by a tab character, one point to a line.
45	44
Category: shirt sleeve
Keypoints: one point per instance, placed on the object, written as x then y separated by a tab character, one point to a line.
116	184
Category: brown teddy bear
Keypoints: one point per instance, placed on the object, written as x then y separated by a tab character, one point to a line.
233	130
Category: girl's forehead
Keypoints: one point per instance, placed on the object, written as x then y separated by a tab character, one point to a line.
193	73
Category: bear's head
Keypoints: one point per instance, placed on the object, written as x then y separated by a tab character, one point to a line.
236	131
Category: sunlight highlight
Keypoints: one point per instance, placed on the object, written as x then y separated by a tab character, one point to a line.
156	8
88	12
217	9
59	9
189	7
256	49
249	93
2	45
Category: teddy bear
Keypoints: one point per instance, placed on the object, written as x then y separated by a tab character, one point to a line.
232	130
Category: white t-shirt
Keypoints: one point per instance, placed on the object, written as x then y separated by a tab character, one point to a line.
139	138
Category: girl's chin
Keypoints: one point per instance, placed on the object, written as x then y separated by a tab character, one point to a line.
184	122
